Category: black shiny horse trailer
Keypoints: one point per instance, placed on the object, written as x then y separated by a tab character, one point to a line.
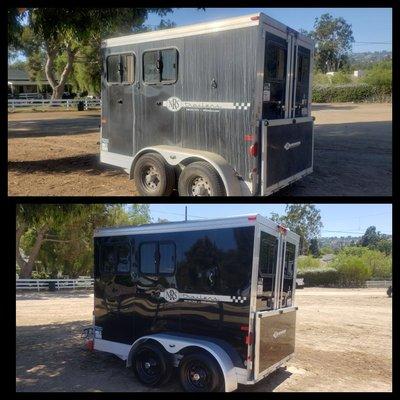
220	108
214	298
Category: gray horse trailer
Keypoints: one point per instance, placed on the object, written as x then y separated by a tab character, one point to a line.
212	109
213	298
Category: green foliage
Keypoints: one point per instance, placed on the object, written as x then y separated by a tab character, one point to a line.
304	219
326	250
341	78
380	76
344	93
68	243
314	247
379	264
352	270
308	263
319	276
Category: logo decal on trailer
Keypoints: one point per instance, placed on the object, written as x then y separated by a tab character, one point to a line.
175	104
276	334
172	296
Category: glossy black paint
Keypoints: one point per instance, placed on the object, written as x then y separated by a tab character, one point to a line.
128	305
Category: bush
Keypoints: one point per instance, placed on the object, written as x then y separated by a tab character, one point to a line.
320	277
352	270
344	93
307	262
379	264
380	76
341	78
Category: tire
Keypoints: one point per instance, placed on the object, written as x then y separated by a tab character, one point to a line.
151	365
200	372
200	179
153	175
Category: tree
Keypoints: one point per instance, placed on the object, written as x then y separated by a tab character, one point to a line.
65	31
370	238
303	219
58	238
334	39
314	247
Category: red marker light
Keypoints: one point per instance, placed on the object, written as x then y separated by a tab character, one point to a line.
248	138
244	328
256	18
253	149
252	218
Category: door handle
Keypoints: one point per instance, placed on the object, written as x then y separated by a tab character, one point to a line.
120	101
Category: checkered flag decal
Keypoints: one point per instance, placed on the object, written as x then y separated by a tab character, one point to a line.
241	106
238	299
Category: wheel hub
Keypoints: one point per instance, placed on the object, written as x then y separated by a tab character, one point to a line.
151	178
201	187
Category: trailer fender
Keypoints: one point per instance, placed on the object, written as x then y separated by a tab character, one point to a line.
234	185
174	344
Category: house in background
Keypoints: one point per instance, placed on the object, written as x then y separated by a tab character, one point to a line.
19	83
21	86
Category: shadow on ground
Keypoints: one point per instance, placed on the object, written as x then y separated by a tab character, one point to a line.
89	163
53	358
323	107
53	127
350	159
46	294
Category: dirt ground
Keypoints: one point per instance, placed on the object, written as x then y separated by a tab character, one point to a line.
57	154
343	343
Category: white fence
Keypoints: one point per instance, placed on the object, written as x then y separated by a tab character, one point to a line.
68	103
39	284
378	284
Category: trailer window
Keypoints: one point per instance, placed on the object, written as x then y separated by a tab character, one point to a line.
160	66
113	69
276	62
116	258
121	68
167	258
268	255
148	258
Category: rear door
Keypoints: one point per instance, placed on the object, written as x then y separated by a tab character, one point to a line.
275	321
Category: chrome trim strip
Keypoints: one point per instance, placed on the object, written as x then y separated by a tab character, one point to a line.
184	31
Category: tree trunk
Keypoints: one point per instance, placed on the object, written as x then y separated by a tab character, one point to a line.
58	87
27	266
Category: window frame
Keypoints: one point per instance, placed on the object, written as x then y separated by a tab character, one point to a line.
115	270
121	82
165	82
157	263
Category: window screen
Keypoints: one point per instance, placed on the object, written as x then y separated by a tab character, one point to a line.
113	69
160	66
116	258
167	258
148	258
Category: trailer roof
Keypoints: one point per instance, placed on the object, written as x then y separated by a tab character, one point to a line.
164	227
198	29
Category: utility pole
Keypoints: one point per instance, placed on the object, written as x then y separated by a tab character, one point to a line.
185	213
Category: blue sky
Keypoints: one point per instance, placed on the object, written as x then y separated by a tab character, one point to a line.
369	24
338	219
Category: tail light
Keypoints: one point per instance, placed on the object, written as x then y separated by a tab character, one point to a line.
90	345
248	339
253	150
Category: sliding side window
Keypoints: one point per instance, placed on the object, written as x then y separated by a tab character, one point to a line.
160	66
157	258
121	68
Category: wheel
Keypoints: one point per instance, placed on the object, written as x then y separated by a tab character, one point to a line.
200	372
153	176
151	364
200	179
